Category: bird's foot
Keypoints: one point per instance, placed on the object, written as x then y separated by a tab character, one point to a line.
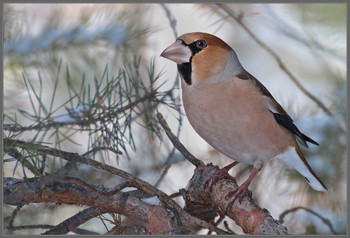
222	173
237	192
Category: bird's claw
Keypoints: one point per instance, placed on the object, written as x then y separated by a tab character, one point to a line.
216	177
222	173
235	193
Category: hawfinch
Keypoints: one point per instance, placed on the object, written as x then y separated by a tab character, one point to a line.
232	111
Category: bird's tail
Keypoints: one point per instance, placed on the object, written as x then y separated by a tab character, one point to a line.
295	159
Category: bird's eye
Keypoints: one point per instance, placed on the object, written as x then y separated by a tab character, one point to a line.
201	44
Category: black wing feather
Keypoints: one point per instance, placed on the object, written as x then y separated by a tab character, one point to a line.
287	122
282	117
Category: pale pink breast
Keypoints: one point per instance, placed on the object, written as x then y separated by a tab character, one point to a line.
235	122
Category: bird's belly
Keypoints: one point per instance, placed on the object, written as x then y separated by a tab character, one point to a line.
226	138
238	132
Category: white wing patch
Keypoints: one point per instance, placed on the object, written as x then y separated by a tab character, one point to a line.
292	159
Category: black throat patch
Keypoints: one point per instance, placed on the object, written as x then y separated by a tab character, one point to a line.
185	70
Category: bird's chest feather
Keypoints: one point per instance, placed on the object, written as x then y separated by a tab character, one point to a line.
222	116
221	106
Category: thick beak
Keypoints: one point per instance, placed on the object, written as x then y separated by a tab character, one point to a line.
177	52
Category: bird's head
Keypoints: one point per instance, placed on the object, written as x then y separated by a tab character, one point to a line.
202	57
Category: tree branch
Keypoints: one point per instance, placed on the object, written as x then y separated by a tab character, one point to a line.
244	211
189	222
155	219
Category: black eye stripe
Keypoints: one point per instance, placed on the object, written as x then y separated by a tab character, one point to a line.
194	46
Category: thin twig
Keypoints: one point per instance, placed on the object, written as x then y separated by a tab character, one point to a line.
73	222
286	28
118	188
14	213
81	183
167	166
100	191
174	195
228	228
42	166
64	170
39	226
324	220
222	217
102	218
171	19
14	153
181	148
102	148
80	231
238	18
45	226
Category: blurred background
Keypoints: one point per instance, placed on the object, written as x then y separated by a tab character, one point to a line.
309	38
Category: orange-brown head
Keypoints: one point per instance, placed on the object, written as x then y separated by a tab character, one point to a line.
203	57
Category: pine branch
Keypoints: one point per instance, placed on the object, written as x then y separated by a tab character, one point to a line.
110	114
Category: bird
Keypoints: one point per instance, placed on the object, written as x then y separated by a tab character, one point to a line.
234	112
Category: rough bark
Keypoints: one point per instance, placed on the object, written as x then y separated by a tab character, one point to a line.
155	219
244	211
